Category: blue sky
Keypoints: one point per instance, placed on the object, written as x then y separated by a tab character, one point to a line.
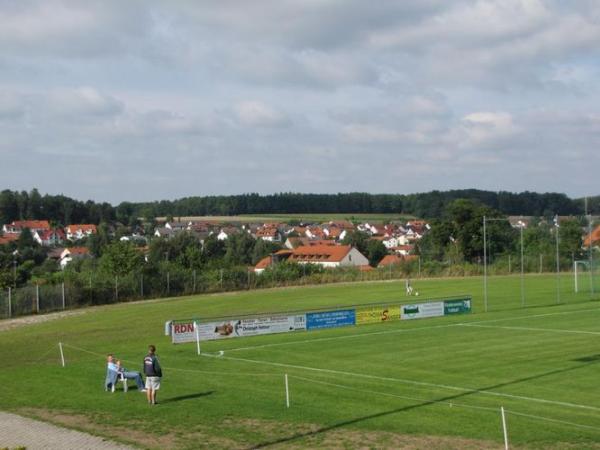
144	100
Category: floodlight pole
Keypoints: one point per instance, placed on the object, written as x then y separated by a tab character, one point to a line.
556	228
485	296
590	250
522	269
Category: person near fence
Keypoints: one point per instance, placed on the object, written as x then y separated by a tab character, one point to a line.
130	375
409	288
153	373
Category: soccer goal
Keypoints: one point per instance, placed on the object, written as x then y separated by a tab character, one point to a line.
583	275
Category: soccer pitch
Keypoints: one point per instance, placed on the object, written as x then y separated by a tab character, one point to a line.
435	383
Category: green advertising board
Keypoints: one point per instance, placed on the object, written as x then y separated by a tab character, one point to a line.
457	306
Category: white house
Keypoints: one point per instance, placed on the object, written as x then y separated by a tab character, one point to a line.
69	254
80	231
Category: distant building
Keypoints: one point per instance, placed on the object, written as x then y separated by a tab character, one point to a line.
33	225
329	256
80	231
70	254
50	238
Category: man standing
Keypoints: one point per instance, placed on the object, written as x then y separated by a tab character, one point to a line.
153	374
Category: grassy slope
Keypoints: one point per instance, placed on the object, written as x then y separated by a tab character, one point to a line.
225	401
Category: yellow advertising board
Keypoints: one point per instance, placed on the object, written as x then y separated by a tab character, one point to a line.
377	314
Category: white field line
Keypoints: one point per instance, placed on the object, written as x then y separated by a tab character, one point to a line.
533	316
548	330
547	419
402	330
419	383
448	403
403	397
347	336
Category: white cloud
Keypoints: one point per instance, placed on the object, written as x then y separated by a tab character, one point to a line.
484	128
257	114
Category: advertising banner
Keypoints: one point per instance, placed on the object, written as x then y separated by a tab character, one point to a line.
377	314
458	306
422	310
184	332
330	319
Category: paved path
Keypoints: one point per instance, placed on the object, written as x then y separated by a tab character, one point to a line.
17	431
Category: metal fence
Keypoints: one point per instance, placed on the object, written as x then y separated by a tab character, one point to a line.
503	290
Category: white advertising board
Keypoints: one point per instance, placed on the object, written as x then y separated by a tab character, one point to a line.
185	332
422	310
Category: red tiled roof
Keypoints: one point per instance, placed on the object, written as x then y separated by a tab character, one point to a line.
264	263
84	227
32	224
320	253
389	260
595	237
7	238
48	234
78	251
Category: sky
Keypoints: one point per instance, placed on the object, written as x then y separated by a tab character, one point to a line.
143	100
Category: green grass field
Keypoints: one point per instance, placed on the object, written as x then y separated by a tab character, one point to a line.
430	383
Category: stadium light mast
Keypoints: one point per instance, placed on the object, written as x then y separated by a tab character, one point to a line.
590	248
521	226
556	229
485	299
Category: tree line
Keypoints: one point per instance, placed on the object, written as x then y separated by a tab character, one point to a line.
63	210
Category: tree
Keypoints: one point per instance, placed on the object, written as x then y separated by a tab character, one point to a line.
357	239
375	252
121	258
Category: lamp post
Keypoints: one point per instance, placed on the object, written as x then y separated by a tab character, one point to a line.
556	228
521	226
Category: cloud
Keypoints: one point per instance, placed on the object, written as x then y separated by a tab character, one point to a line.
257	114
194	91
484	128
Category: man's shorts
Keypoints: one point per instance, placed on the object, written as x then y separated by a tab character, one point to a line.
153	383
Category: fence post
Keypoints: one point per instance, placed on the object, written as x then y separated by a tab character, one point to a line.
541	259
63	295
168	283
221	281
419	266
9	302
509	267
194	281
142	285
504	428
117	288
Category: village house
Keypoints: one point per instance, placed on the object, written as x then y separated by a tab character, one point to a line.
594	240
295	242
390	260
73	253
50	238
8	238
33	225
328	256
79	231
269	232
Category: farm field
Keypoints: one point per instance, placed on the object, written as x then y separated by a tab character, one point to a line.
436	383
317	217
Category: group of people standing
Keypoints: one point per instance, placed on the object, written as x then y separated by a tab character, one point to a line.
151	369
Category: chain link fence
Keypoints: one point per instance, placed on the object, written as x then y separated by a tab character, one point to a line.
540	284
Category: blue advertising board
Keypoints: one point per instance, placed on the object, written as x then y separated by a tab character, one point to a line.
330	319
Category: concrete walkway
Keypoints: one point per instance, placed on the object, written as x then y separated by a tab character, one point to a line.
17	431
